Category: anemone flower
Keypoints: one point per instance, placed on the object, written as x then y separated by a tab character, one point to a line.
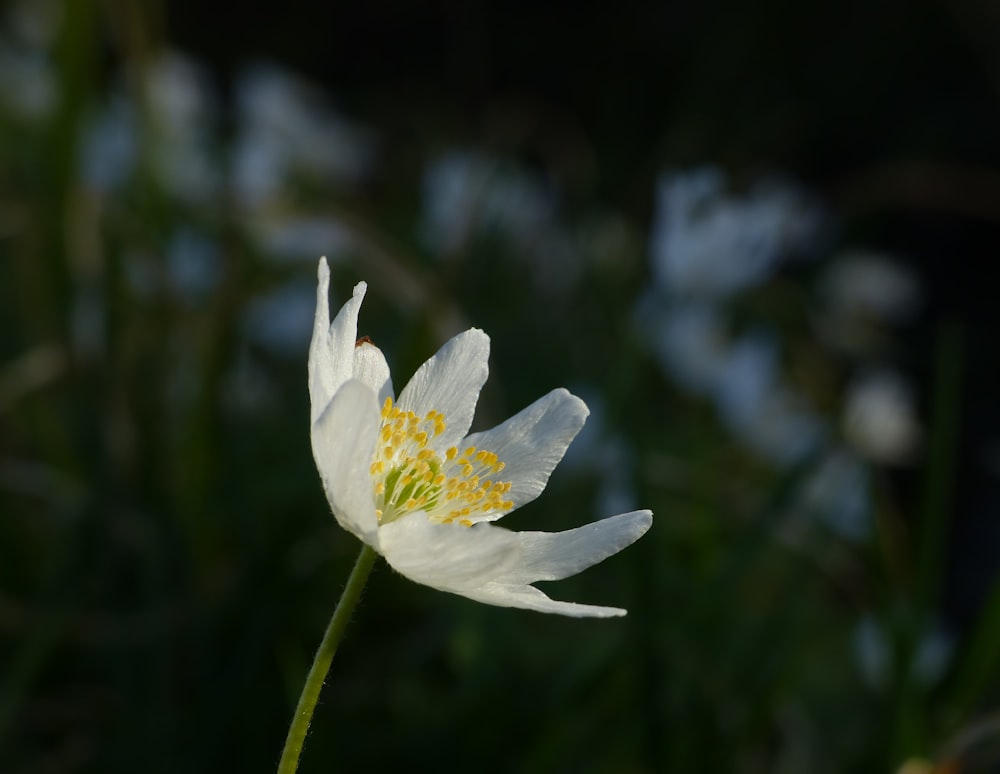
403	474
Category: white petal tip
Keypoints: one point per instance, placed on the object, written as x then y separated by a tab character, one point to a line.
576	401
360	289
324	270
478	333
577	610
596	611
633	525
643	520
531	598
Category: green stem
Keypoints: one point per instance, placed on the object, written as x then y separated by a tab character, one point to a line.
321	663
911	701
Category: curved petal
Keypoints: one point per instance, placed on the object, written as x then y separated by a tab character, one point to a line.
343	439
371	370
532	442
530	598
484	563
557	555
448	557
450	382
331	352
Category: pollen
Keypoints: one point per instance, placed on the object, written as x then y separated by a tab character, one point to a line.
450	487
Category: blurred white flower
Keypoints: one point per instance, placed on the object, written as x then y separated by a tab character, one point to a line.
875	658
182	117
692	345
109	146
407	480
470	195
742	377
287	130
28	86
837	493
770	418
454	185
466	192
193	265
871	650
879	418
88	317
934	654
783	430
748	374
867	283
860	292
708	242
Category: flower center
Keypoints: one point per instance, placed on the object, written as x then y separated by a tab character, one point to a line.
408	474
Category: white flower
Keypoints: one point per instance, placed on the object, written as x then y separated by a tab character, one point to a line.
862	292
880	419
867	284
708	242
693	345
287	131
837	491
771	418
182	111
403	476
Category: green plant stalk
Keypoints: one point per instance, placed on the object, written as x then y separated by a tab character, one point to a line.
909	717
324	657
975	672
945	419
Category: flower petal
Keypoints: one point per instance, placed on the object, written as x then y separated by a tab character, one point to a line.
371	370
450	382
556	555
331	352
532	442
448	557
530	598
485	563
343	439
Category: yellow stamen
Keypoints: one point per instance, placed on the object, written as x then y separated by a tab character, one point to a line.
409	474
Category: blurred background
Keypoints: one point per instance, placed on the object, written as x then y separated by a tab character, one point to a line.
754	238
